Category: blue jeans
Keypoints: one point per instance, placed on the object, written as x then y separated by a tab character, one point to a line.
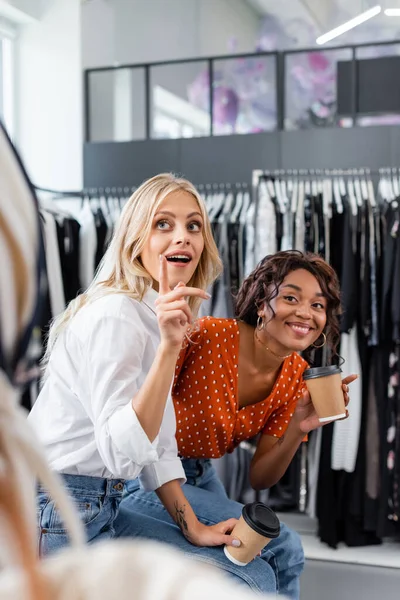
276	571
97	501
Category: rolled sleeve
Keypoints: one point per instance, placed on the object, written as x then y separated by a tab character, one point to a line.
129	437
113	368
169	467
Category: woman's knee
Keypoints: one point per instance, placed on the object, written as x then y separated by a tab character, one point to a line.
290	543
258	575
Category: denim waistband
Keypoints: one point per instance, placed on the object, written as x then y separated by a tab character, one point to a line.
94	486
196	467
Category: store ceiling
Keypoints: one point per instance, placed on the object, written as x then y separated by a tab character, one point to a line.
323	15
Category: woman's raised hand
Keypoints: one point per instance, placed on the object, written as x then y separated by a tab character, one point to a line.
173	312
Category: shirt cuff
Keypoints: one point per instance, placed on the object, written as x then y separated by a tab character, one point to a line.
154	476
130	438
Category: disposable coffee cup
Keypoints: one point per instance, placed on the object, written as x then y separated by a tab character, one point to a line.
257	526
325	387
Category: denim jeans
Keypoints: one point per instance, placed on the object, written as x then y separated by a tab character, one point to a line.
97	501
276	571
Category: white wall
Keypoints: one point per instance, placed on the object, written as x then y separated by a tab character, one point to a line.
134	31
142	31
49	96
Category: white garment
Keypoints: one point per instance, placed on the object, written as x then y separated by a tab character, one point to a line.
346	434
88	245
299	219
249	259
313	457
53	264
265	243
84	416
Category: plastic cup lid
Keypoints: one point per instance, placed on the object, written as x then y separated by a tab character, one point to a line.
321	372
262	519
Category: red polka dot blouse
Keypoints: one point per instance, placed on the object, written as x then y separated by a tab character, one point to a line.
205	393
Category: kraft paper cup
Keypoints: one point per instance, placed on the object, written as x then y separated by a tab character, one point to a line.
255	528
325	387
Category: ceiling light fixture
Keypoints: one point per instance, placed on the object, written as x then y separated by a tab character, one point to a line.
392	12
330	35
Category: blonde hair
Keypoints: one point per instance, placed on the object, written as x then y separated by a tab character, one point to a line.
121	270
21	457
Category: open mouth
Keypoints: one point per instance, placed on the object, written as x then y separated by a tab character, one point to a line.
179	259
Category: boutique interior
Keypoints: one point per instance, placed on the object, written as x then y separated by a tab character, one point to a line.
285	116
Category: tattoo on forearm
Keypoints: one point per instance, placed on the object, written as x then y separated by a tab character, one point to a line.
281	439
180	519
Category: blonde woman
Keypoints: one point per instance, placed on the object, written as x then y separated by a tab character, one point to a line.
104	413
121	568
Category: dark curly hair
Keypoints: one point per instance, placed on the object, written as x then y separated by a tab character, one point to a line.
262	286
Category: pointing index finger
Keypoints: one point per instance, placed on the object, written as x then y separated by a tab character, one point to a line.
163	284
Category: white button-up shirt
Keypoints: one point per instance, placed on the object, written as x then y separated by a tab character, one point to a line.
84	415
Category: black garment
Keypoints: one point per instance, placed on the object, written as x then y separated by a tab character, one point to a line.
393	437
340	495
101	232
222	300
69	248
389	260
349	264
336	250
309	224
233	256
320	225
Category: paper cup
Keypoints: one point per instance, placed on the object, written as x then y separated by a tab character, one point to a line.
255	528
325	387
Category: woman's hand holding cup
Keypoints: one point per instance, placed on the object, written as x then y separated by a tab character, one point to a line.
305	414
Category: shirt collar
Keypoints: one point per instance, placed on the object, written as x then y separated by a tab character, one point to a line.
149	299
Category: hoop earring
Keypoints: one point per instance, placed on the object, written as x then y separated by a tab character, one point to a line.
324	342
260	323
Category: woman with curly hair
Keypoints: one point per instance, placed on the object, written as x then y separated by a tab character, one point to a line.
237	378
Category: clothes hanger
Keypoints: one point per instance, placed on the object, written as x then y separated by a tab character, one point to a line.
294	199
327	197
280	196
313	184
357	191
364	185
271	186
395	183
245	207
238	206
371	193
352	197
382	187
286	185
337	195
228	203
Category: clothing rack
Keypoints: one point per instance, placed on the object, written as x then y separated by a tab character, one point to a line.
351	218
127	190
222	187
89	192
298	173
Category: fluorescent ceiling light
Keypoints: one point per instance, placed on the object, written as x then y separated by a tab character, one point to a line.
392	12
368	14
